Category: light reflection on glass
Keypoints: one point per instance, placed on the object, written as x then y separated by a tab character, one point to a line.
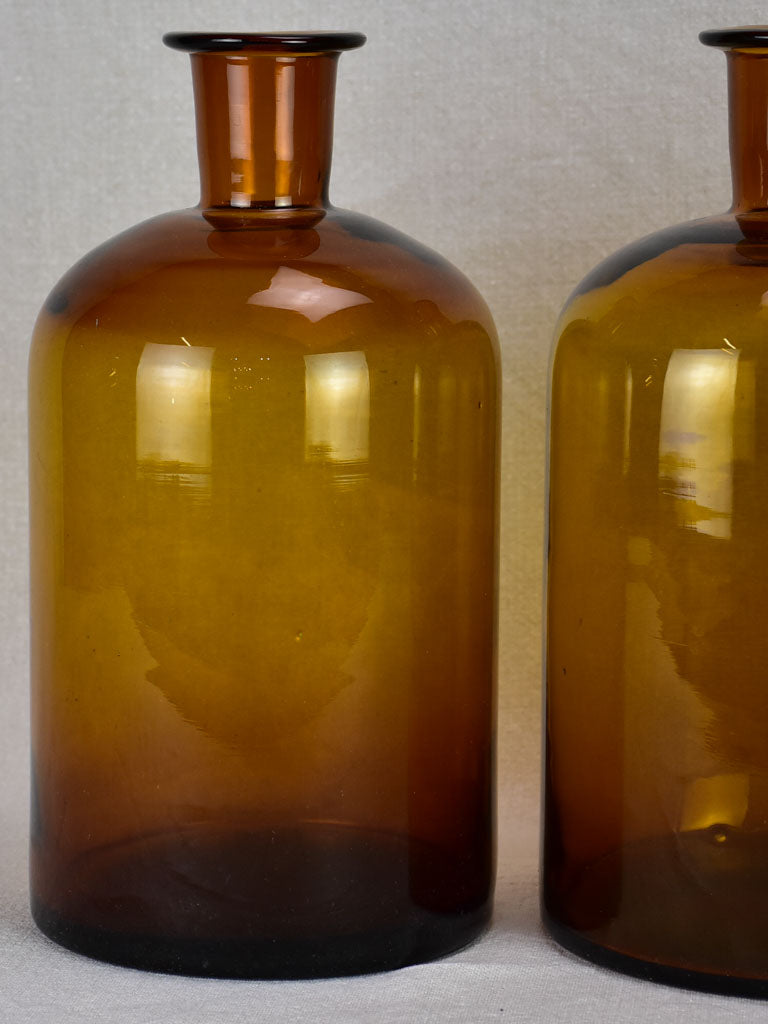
715	800
240	138
447	401
627	418
173	407
416	418
302	293
337	407
285	72
696	444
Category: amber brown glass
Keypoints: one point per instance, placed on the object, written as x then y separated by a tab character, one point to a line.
263	495
656	832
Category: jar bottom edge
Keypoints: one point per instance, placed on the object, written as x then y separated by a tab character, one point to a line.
317	901
601	956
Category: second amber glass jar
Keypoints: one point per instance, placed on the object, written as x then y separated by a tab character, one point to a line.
656	835
263	487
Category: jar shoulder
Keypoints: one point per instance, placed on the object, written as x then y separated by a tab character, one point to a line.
395	248
180	268
688	286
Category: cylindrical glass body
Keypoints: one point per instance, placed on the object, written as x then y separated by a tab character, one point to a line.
656	831
263	496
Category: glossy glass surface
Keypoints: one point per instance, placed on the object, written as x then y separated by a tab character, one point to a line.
656	830
263	481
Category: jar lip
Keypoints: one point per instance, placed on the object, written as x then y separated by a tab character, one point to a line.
291	42
746	37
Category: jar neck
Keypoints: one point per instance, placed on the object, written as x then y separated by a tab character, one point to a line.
264	129
748	115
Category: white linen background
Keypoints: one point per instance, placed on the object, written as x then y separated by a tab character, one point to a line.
523	139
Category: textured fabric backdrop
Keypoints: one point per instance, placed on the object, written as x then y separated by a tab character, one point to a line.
525	140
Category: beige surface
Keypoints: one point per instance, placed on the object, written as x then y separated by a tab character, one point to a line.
524	140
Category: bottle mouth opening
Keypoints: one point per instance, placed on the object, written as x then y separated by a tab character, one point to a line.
265	42
748	37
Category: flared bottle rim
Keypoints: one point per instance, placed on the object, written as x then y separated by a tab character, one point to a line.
289	42
745	37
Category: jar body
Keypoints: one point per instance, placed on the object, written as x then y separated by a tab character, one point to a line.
263	478
657	774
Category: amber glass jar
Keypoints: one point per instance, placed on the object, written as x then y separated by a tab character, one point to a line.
263	459
656	835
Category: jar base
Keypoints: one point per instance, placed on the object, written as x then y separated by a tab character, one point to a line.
322	900
687	909
720	984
